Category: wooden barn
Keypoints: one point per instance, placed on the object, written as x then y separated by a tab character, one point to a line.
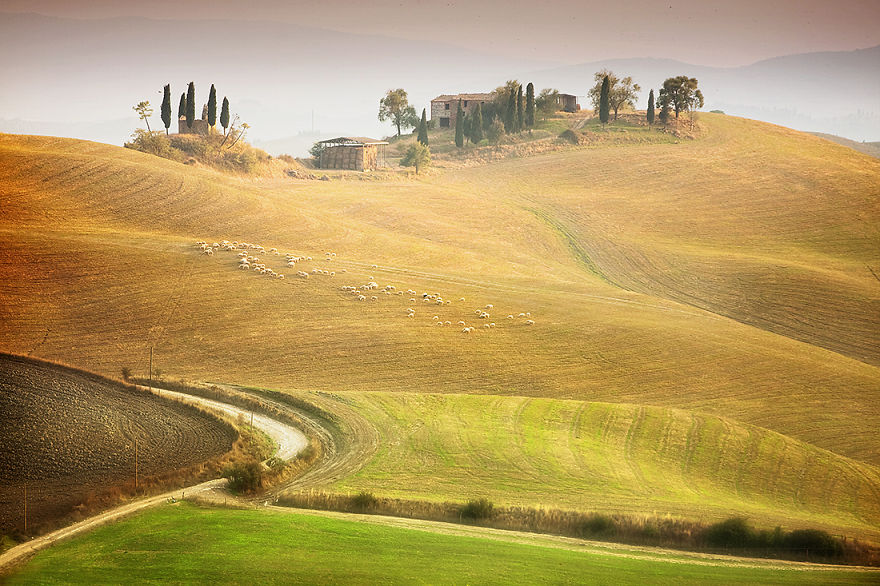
357	153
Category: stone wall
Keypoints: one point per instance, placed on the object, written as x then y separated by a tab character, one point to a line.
438	111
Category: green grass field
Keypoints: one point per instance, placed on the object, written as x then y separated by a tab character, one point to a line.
707	312
613	458
186	543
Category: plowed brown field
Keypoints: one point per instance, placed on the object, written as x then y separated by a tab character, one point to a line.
69	437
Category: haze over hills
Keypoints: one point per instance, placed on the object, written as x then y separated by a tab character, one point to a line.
279	76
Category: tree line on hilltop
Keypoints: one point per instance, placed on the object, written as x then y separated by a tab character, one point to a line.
512	111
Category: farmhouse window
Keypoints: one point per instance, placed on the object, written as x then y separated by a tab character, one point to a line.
444	122
446	106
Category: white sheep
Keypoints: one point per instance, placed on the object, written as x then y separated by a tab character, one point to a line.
361	298
530	322
490	306
374	298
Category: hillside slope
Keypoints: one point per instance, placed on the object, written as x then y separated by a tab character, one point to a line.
100	265
768	226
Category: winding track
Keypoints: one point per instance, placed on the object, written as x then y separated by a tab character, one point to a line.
290	442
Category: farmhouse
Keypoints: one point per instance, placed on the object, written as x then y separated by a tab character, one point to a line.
443	108
357	153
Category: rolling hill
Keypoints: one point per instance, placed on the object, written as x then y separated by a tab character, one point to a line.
728	280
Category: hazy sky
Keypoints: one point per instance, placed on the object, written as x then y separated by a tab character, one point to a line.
730	33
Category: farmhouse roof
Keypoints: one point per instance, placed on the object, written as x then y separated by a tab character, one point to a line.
352	141
455	97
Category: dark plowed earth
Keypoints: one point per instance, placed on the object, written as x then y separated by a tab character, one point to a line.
67	437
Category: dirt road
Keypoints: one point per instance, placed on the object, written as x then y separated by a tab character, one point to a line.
290	442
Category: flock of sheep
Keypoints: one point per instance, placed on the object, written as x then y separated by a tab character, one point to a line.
369	291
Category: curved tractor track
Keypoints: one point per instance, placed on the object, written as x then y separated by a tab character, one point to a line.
346	438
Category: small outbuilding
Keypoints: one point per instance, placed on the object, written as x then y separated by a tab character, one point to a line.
568	103
357	153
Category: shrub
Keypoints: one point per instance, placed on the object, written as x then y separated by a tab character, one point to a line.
813	542
417	155
153	143
734	532
245	477
363	501
495	130
571	136
126	373
599	525
476	509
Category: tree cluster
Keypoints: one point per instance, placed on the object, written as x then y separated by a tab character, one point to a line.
187	109
679	94
610	92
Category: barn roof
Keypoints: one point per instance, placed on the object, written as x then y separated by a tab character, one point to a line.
456	97
352	141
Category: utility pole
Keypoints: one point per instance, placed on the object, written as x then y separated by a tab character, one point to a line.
25	509
135	465
151	369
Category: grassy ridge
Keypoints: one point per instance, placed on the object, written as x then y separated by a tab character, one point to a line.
188	543
599	456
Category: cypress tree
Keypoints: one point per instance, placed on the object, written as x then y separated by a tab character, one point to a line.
530	106
459	126
181	109
190	104
520	110
212	107
510	112
477	125
423	129
166	108
224	115
604	101
651	107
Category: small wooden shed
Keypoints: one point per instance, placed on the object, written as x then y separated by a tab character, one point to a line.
357	153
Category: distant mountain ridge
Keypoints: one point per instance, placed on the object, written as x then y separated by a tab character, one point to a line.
80	78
